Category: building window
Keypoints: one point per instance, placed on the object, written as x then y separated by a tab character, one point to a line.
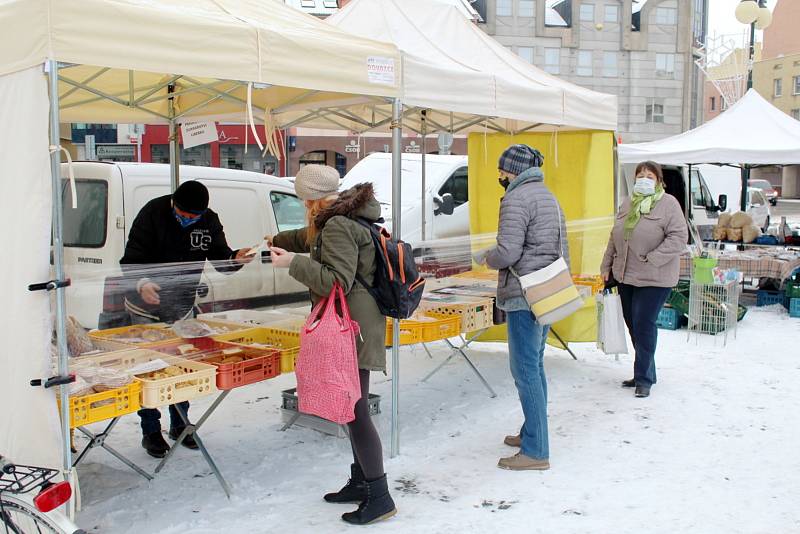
713	103
199	155
796	114
610	64
504	8
665	65
611	13
233	157
308	3
552	60
526	8
666	16
654	111
587	12
584	63
526	53
797	85
777	87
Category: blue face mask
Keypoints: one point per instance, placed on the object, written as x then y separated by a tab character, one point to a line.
185	222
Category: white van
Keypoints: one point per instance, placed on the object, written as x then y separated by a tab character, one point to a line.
446	193
249	205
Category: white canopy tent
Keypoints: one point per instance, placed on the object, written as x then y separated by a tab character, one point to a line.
131	61
751	132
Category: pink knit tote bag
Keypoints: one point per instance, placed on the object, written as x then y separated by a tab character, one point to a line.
327	366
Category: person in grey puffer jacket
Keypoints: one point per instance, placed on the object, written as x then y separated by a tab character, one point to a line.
531	235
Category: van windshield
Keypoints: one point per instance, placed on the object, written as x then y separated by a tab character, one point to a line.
290	213
85	226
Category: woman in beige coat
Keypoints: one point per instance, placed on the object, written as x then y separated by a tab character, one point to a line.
643	255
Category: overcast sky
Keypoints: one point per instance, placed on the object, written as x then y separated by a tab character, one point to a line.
722	20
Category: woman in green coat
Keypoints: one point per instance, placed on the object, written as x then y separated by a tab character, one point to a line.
340	248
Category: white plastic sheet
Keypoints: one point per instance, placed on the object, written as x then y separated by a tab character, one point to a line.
29	427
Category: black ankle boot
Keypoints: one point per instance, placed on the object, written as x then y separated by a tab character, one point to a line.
354	491
377	506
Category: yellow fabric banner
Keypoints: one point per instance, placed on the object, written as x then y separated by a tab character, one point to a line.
579	170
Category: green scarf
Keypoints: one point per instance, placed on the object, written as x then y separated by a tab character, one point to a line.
641	205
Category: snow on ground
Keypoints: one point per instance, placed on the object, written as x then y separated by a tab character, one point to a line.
714	449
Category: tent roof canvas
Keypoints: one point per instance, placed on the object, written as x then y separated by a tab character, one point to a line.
752	131
451	65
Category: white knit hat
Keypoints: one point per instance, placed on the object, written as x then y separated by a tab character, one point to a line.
314	182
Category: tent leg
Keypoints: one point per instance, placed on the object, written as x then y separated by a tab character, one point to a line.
397	134
174	154
58	253
423	119
745	179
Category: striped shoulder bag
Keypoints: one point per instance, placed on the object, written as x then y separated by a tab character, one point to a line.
550	291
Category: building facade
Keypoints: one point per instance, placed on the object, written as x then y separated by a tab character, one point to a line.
641	51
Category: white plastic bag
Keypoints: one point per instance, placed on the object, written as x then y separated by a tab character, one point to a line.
610	324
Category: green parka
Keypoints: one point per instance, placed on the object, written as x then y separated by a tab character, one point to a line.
343	248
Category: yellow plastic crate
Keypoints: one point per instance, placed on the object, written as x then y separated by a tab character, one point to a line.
108	335
478	275
95	407
413	332
197	380
588	285
475	313
286	341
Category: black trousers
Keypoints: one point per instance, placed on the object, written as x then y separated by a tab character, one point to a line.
364	438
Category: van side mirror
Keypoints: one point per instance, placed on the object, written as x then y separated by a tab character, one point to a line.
722	203
445	205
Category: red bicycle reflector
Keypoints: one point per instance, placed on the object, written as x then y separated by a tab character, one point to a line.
53	496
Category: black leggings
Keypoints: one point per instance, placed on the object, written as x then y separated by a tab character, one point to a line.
364	438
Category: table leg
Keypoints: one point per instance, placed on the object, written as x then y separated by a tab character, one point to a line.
566	346
99	440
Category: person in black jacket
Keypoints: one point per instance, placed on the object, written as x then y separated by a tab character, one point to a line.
169	230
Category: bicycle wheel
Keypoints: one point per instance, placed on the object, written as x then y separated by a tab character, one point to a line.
20	517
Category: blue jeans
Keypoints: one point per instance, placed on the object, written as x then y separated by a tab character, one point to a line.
640	307
526	343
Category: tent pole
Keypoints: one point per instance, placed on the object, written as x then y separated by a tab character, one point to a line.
423	119
397	134
58	261
745	179
174	156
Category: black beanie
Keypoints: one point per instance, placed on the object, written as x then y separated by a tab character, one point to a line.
191	196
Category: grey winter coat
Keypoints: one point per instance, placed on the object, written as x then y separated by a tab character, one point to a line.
527	236
651	258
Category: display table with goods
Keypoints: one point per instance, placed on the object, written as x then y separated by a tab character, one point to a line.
152	366
754	262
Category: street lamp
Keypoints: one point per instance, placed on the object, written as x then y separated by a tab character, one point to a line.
758	16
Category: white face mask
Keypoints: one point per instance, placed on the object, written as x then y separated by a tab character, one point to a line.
645	186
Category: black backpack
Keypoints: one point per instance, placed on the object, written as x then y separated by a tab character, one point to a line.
397	287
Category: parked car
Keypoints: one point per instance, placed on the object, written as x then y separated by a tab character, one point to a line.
250	205
769	191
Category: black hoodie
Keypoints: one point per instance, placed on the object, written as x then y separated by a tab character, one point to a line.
157	239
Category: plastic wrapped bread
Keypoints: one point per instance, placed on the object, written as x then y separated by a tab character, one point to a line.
724	220
740	220
750	233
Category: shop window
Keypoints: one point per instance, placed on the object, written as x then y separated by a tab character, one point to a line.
552	60
199	155
584	63
234	157
458	186
85	227
290	212
654	111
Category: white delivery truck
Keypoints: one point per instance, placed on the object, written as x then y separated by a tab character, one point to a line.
249	205
446	193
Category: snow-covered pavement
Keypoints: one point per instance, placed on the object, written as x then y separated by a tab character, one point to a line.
715	449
